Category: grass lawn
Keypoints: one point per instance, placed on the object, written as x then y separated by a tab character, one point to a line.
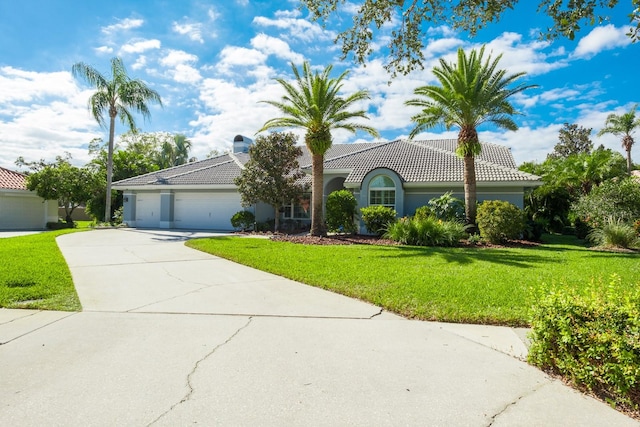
34	274
472	285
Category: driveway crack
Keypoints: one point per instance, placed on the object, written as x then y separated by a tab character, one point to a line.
514	402
190	387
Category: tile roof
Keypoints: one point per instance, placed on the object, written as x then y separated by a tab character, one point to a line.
10	180
413	161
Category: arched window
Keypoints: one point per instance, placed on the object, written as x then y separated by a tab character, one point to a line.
382	191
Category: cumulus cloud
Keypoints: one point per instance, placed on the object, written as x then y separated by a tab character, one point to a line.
104	49
192	30
275	46
601	38
296	28
140	46
233	56
123	25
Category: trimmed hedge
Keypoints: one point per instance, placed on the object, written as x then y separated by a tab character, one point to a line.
591	338
377	218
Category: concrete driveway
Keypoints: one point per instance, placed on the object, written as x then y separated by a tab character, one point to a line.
171	336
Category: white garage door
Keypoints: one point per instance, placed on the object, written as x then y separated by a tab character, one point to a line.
205	211
21	212
148	210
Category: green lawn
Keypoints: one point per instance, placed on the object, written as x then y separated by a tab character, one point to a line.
475	285
34	274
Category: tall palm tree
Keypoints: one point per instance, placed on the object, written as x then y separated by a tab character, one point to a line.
174	151
312	102
115	97
623	125
471	92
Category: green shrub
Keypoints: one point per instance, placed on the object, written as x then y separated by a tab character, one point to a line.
377	218
60	225
614	233
423	212
447	207
428	231
341	211
243	220
499	221
619	199
592	339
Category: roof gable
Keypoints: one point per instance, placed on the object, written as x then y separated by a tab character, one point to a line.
10	180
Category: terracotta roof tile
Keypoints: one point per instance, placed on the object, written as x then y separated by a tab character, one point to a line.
10	180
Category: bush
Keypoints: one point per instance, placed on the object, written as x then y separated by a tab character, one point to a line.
592	338
499	221
341	211
428	231
243	220
423	212
614	233
447	207
618	199
377	218
60	225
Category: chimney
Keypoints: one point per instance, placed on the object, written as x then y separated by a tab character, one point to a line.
241	144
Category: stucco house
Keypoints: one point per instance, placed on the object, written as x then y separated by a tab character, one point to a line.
401	174
21	209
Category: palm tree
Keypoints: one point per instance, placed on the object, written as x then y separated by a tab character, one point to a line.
623	125
471	92
116	97
312	103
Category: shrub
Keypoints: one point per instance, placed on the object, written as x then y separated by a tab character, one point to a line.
377	218
428	231
447	207
243	220
618	199
423	212
341	211
499	221
591	338
614	233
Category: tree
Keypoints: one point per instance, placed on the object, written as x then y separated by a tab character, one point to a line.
624	126
574	139
313	103
115	97
174	151
567	179
406	21
471	93
69	185
272	173
613	199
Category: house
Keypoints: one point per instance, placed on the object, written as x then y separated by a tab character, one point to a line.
21	209
400	174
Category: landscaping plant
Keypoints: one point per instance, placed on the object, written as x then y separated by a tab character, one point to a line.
592	338
614	233
447	207
243	220
499	221
341	211
377	219
429	231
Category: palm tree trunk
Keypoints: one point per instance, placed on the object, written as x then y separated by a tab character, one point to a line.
470	188
276	219
317	183
107	203
629	164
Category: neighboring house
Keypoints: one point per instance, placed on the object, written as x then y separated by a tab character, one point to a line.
21	209
400	174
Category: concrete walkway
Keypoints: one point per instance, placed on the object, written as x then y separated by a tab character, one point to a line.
171	336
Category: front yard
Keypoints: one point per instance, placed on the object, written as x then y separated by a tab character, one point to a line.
465	284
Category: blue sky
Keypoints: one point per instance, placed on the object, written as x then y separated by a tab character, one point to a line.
212	62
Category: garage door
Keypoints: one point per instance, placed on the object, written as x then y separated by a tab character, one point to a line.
205	211
148	210
21	213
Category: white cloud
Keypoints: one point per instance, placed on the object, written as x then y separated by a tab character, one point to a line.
232	56
176	57
191	30
601	38
141	46
296	28
104	49
274	46
180	66
123	25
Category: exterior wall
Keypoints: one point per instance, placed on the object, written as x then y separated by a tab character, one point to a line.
167	203
417	197
129	208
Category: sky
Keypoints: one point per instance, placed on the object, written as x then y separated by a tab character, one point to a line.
213	62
